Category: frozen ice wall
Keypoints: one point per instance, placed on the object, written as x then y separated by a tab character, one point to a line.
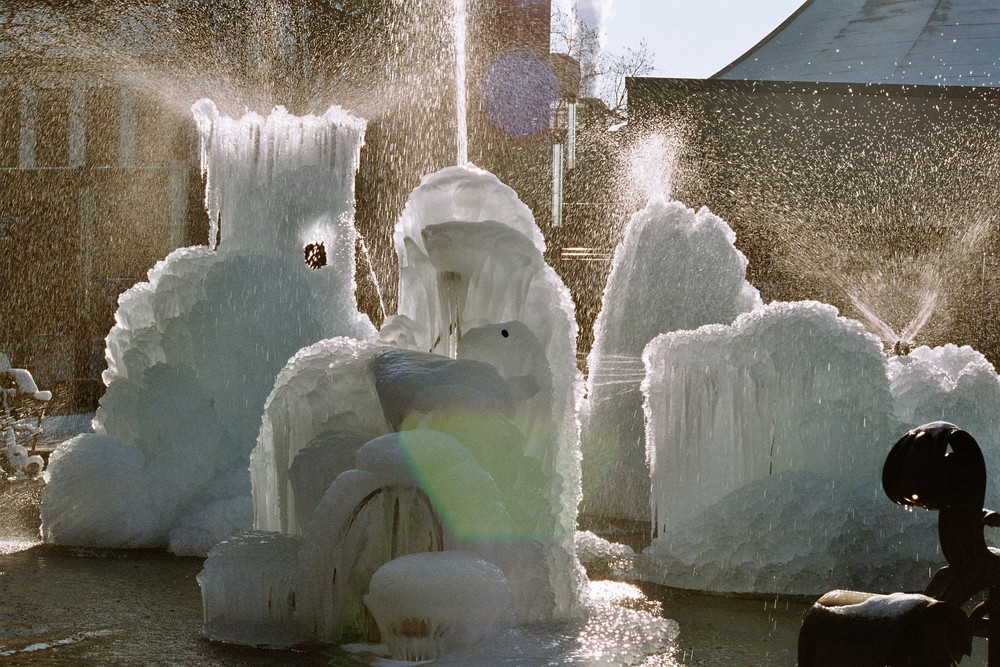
767	439
195	349
674	269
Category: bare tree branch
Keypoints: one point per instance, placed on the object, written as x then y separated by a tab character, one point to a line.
602	73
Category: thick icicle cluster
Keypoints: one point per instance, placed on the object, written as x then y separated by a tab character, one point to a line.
195	349
675	269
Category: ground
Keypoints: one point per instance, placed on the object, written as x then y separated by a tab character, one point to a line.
75	606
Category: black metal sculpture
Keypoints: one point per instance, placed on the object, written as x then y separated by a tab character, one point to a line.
939	467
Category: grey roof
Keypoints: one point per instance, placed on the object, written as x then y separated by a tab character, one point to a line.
953	42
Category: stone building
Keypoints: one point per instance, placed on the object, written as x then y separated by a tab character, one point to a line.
99	174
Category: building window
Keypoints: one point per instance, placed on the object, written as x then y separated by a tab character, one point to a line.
52	127
103	126
10	126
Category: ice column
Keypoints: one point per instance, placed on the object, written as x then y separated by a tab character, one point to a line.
674	269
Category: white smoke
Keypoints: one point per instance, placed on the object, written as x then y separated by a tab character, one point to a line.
580	28
595	14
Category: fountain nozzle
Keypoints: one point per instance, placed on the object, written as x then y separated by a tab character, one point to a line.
901	348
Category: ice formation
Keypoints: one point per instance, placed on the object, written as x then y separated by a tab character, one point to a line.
675	269
429	604
22	407
767	438
195	349
453	431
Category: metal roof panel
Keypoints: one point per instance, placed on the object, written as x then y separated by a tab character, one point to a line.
898	41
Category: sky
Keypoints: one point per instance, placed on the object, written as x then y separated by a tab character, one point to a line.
689	38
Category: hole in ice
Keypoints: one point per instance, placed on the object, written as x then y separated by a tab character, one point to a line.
315	255
413	627
504	333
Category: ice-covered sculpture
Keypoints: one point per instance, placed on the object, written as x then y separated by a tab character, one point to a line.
20	401
195	349
453	431
674	269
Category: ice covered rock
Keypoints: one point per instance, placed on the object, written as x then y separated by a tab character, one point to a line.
91	472
953	382
430	604
406	380
603	558
674	270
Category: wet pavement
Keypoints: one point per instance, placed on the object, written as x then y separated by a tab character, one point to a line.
77	606
66	606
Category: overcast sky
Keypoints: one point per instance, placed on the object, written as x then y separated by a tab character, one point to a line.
689	38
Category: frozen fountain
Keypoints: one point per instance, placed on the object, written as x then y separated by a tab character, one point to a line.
415	489
460	419
195	349
765	437
442	449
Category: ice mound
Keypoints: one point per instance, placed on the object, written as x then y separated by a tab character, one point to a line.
791	387
195	349
699	278
767	438
800	533
957	383
91	472
427	605
604	559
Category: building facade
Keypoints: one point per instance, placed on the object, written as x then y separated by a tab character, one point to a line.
99	174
